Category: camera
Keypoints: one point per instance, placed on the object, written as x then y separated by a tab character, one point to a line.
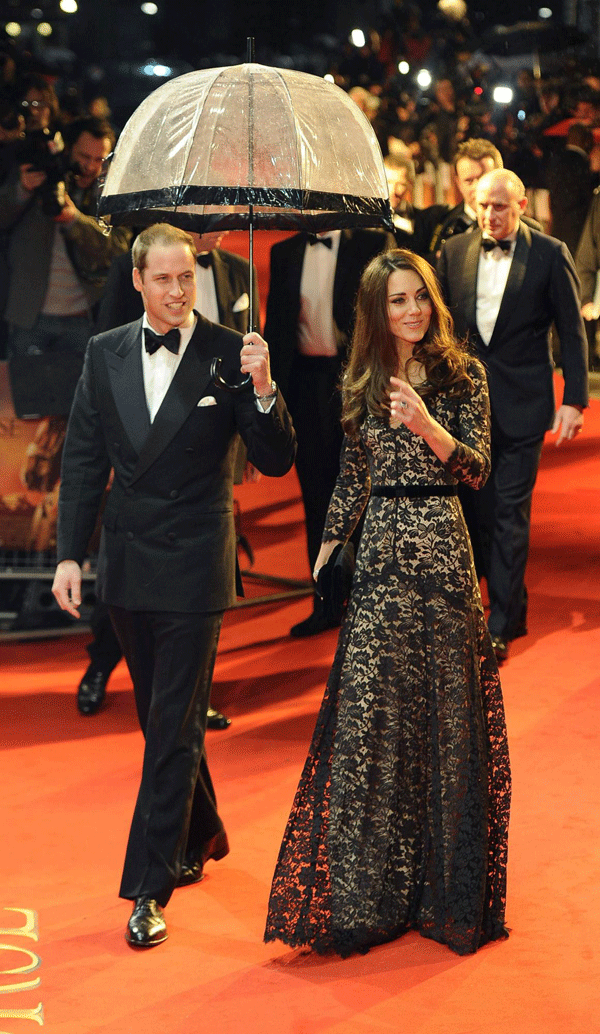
45	153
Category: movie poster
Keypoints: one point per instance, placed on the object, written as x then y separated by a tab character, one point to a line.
29	476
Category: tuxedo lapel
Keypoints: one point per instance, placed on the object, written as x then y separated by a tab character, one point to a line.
222	287
516	276
127	383
468	278
341	266
296	263
188	385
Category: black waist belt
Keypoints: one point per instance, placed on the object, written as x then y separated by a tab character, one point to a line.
412	491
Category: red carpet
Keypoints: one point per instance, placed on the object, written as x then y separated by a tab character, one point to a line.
69	785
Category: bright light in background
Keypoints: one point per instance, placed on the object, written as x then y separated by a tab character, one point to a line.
329	78
12	29
521	115
149	9
37	12
160	70
503	94
44	29
403	67
544	12
68	6
424	78
357	37
455	10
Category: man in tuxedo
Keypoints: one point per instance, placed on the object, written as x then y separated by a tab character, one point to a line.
413	227
313	285
146	406
473	159
506	284
222	296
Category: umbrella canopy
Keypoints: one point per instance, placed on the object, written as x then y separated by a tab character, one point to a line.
248	145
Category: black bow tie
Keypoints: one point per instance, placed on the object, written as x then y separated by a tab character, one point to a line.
204	259
313	239
488	244
170	340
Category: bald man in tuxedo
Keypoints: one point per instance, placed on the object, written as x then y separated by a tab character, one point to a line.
506	284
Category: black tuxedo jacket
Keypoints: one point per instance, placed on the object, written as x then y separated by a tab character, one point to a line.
168	538
542	288
357	248
121	303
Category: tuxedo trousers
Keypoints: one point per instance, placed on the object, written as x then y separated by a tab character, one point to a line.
498	517
171	658
313	399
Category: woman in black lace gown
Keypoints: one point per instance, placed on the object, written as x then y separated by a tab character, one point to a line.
400	820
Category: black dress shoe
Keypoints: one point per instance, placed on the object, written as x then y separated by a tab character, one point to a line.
500	647
193	866
312	625
146	926
216	720
191	872
91	693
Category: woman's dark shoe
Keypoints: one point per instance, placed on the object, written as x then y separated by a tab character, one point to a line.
91	693
146	926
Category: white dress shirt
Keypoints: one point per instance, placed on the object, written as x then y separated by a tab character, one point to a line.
160	367
206	293
492	274
316	332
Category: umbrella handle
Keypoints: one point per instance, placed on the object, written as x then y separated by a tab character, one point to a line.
219	380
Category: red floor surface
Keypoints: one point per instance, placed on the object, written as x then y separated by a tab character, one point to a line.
69	784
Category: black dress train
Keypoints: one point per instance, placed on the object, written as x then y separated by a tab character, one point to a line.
400	821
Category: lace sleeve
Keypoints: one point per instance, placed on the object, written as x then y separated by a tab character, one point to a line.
470	461
351	492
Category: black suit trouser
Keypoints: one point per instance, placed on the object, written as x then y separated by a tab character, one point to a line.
313	400
498	517
171	659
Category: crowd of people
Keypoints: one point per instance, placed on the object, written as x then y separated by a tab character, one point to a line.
437	336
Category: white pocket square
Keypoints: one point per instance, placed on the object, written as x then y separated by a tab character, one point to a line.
208	400
242	303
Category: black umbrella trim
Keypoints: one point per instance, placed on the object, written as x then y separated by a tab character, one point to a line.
273	208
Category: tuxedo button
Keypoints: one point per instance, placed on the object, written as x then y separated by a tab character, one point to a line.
171	536
174	493
129	535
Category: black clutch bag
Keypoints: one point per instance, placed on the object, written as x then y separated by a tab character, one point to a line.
334	581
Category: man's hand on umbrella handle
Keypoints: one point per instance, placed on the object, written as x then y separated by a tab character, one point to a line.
66	587
254	358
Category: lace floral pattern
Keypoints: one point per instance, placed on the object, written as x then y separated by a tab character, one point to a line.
400	820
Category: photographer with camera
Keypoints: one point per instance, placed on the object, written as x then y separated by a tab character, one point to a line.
58	254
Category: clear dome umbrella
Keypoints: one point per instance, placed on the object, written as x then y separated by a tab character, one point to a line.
247	147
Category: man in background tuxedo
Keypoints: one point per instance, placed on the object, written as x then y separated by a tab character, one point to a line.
313	285
413	227
222	296
146	407
472	160
505	284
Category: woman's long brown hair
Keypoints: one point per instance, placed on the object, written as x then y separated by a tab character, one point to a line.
373	355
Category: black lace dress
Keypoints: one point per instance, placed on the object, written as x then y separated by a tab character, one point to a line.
400	821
